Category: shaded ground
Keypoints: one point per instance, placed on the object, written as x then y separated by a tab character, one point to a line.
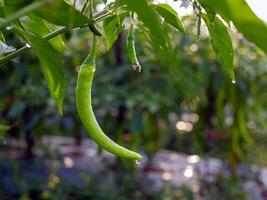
63	168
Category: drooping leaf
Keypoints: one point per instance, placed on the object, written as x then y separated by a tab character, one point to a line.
60	13
150	19
221	43
51	65
40	27
170	16
244	19
112	27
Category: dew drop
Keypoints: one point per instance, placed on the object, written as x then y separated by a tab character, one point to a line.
28	45
138	162
9	28
234	81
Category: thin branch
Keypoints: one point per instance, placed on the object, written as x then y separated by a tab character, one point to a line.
14	54
27	46
91	9
55	33
100	13
74	3
85	5
49	36
102	17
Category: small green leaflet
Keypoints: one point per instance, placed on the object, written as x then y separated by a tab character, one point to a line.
170	16
60	13
244	19
221	43
51	65
112	27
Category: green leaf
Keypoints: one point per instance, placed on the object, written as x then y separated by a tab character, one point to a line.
60	13
170	16
40	27
11	6
51	65
112	27
221	43
24	11
244	19
150	19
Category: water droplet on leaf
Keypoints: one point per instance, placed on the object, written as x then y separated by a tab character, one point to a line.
28	45
9	28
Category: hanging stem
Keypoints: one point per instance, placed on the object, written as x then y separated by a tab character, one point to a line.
93	27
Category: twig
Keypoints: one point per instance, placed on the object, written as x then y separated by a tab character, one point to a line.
85	5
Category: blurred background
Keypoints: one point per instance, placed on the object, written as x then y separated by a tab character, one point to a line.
201	136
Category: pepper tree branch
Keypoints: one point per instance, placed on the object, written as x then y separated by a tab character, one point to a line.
49	36
27	46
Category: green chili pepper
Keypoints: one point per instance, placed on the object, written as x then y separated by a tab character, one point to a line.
131	49
84	106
